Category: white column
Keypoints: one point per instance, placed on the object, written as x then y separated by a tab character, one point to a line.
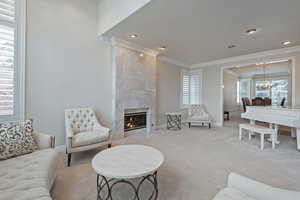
298	139
294	132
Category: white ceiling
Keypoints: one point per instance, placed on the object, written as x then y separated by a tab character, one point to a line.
256	70
197	31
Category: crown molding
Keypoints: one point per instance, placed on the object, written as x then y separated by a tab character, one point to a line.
117	42
229	71
248	57
173	61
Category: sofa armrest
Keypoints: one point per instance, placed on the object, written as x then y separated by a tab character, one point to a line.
44	141
260	190
98	126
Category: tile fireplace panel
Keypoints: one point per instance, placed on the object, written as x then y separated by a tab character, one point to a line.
134	87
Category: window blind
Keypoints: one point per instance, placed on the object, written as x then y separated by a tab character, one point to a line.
191	87
185	88
195	95
7	54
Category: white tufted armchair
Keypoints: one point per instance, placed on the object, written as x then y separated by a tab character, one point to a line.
198	114
84	132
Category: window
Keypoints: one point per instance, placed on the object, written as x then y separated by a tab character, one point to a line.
279	90
191	88
12	58
243	89
263	93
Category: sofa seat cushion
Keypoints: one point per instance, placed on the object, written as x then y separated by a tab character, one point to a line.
28	177
232	194
88	138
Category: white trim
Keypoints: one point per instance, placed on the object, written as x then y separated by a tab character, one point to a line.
248	57
174	61
129	45
21	7
254	61
232	73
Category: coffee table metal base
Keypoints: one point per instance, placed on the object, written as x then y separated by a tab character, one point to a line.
105	186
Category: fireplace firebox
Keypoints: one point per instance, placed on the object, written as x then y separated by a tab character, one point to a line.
133	121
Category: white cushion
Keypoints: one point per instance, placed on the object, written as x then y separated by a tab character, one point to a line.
88	138
28	177
232	194
199	118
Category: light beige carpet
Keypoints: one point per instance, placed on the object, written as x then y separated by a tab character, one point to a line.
197	163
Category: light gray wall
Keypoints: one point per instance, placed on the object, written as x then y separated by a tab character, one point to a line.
168	90
230	91
67	66
211	91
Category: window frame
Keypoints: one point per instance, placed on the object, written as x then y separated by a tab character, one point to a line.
238	88
190	72
19	62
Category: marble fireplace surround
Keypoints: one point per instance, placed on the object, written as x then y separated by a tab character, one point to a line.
134	86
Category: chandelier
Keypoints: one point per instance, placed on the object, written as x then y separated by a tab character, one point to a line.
266	85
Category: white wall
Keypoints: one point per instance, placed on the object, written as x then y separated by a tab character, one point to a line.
67	66
168	90
230	91
112	12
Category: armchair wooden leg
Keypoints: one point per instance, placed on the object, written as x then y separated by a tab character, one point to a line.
69	158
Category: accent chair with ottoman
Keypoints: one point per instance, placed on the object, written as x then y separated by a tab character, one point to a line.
84	132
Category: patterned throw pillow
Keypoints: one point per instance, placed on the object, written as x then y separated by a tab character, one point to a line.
16	139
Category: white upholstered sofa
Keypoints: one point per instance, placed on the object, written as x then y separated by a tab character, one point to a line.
31	176
242	188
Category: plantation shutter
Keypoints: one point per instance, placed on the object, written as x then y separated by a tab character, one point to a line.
7	57
185	88
195	87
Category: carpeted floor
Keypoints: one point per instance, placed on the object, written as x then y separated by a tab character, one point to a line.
197	163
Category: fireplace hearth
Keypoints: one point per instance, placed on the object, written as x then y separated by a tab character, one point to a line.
133	121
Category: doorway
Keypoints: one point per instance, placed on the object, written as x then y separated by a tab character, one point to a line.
268	83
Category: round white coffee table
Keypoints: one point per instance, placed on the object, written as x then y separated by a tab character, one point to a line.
118	165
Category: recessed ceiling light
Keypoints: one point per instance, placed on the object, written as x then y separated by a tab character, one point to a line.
162	48
133	36
141	55
251	31
287	42
231	46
